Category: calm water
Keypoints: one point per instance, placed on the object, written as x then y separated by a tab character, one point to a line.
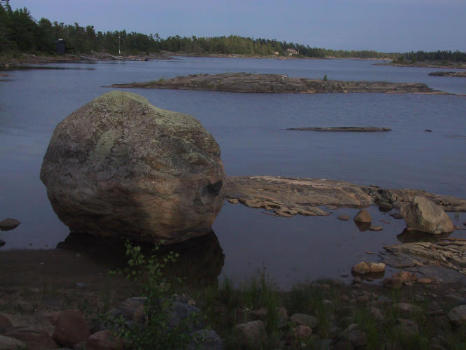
250	131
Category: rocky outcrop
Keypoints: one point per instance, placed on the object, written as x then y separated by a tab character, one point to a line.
425	216
285	196
119	166
448	74
343	129
448	252
292	196
276	83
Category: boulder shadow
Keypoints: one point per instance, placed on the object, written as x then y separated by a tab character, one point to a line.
200	260
363	226
410	236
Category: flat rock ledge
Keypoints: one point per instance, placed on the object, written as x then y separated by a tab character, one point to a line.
447	252
448	74
276	83
285	196
342	129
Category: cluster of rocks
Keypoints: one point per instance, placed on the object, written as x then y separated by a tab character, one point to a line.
276	83
69	328
341	332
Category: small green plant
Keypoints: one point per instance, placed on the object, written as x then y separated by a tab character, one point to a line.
155	332
325	78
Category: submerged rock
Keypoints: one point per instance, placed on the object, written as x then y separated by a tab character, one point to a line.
343	129
119	166
425	216
459	74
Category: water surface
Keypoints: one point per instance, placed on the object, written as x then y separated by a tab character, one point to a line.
250	129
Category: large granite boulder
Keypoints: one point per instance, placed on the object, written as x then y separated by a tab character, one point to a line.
425	216
119	166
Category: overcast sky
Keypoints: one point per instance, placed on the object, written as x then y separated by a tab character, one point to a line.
383	25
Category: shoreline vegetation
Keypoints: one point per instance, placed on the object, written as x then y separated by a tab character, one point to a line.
23	40
277	83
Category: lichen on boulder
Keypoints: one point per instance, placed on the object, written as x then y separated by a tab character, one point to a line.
119	166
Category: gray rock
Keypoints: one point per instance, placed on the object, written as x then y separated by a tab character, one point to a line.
9	224
355	336
407	308
7	343
425	216
407	327
343	217
205	339
304	320
185	314
250	334
119	166
457	315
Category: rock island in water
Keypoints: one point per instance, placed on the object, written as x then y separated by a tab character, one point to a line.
276	83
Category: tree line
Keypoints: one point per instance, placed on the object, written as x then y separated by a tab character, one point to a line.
19	32
436	56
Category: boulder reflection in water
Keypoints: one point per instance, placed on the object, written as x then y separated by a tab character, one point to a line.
200	259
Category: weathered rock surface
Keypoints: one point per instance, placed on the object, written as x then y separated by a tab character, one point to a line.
343	129
275	83
120	166
460	74
449	252
9	224
287	196
292	196
425	216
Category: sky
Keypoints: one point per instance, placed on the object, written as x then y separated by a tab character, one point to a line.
382	25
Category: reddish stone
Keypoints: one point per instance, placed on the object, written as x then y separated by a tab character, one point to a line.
71	328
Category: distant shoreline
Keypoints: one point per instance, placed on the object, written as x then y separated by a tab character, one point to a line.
425	65
10	62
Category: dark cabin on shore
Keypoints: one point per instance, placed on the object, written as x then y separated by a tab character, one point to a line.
61	47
